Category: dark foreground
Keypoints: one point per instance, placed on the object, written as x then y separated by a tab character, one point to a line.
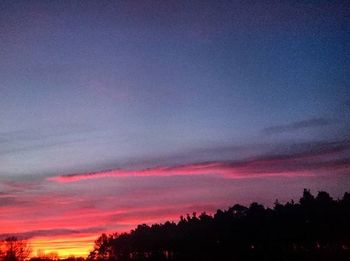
315	228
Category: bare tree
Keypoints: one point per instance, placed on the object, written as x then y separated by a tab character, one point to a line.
13	249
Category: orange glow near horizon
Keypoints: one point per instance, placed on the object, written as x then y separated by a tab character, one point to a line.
63	246
81	245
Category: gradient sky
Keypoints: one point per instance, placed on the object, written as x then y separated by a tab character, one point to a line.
115	113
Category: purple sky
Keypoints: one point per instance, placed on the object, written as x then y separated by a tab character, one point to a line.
140	111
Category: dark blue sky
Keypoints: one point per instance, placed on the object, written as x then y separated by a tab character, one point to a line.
252	87
86	82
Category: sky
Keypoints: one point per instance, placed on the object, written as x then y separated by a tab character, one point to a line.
117	113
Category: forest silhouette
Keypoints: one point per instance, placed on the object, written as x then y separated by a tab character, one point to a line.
315	228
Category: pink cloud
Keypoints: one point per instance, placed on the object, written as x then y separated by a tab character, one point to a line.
287	165
214	168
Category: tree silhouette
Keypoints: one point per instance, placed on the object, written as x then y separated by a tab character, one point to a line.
316	228
13	249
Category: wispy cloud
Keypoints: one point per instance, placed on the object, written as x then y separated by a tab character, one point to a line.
298	125
53	232
32	139
303	160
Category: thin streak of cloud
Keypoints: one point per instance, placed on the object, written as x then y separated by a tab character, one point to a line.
298	163
35	147
53	232
32	139
299	125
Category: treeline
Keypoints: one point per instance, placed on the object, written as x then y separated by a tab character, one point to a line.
315	228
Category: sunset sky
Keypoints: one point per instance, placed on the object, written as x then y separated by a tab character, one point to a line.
116	113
